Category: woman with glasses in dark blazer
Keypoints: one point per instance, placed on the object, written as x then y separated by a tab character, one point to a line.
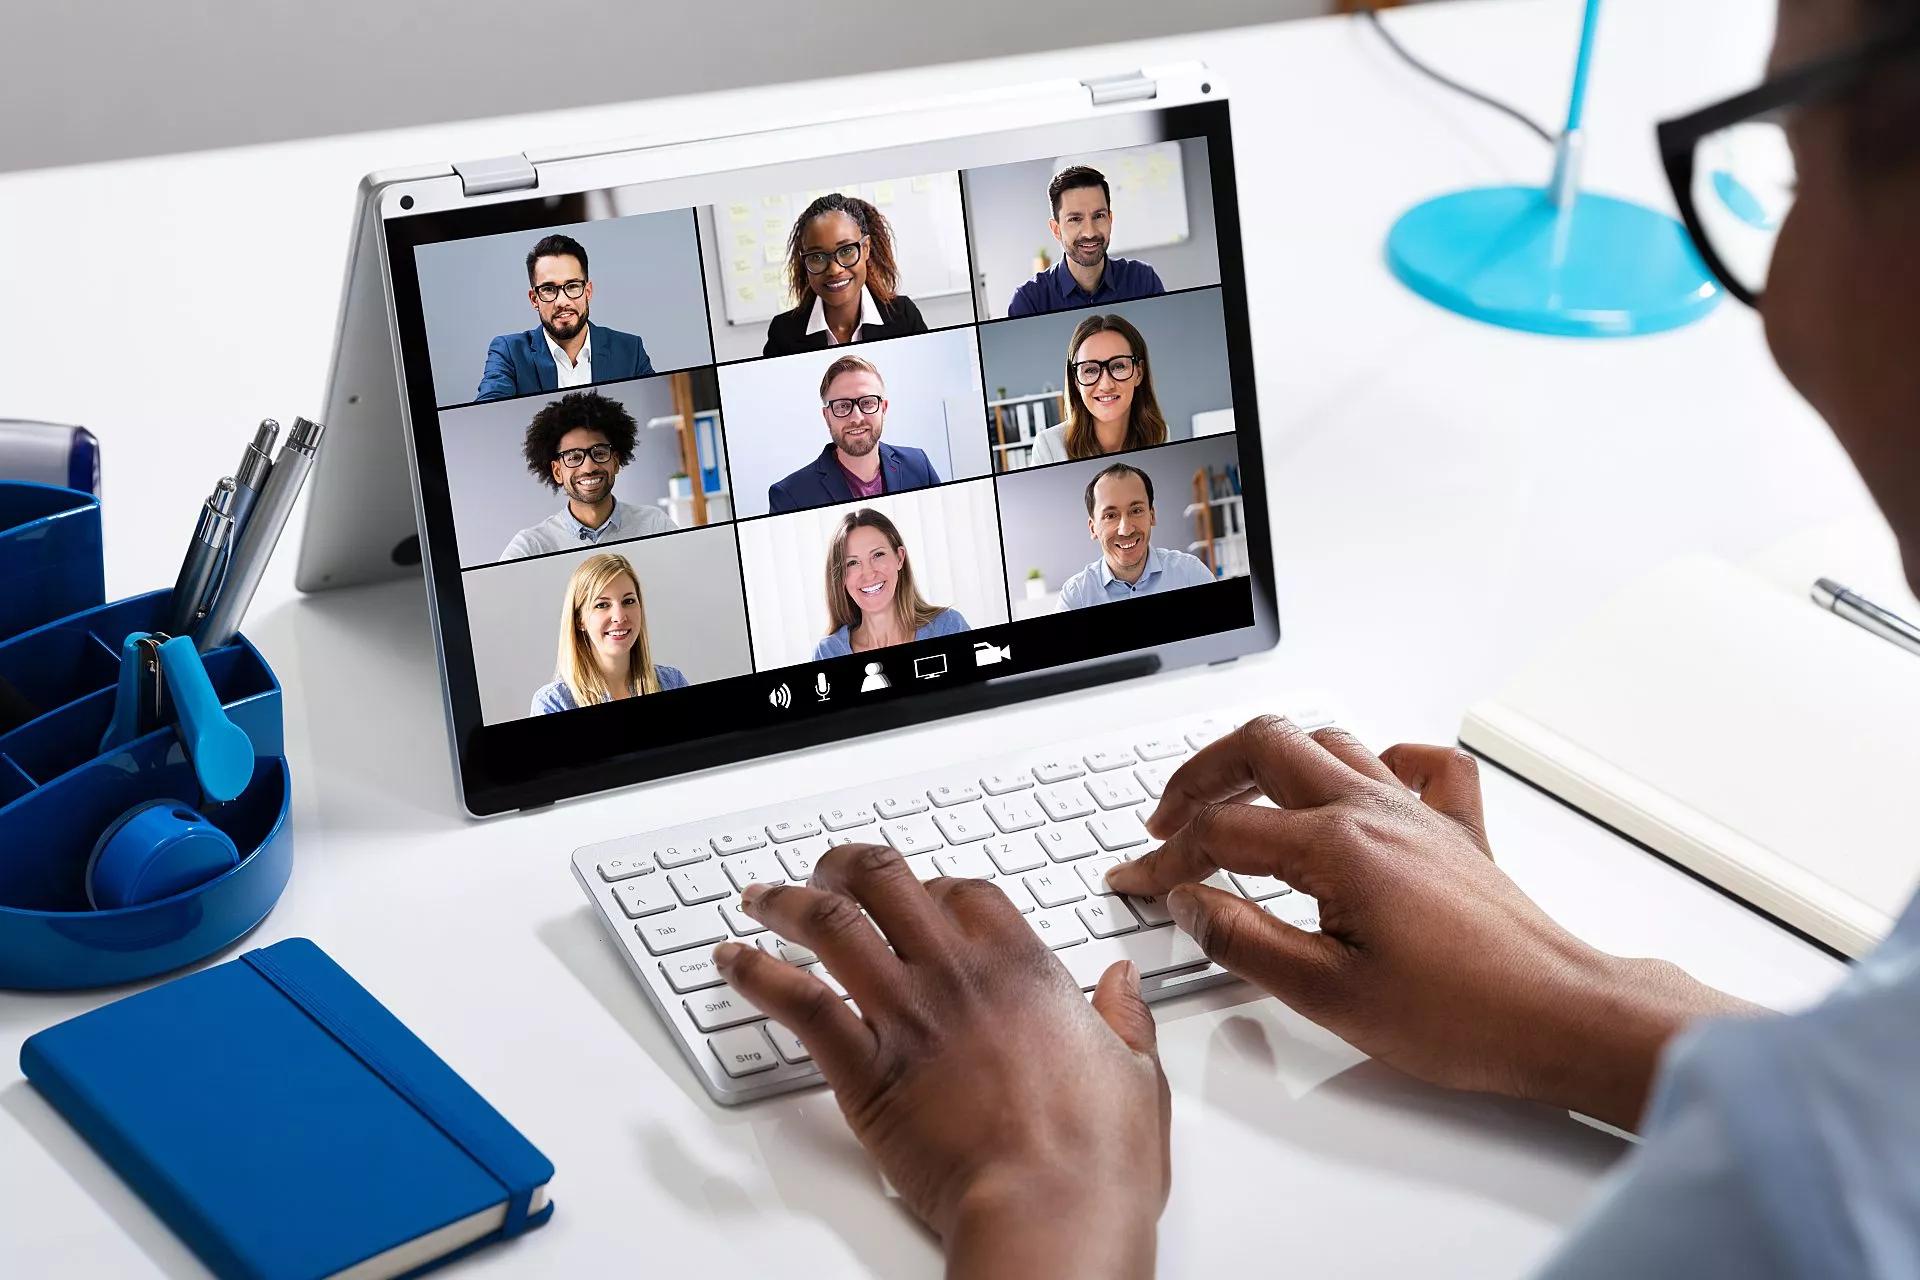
841	266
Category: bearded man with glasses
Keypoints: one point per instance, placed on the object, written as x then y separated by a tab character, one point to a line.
564	349
854	463
577	446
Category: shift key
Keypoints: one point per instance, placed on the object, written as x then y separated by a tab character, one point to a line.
678	930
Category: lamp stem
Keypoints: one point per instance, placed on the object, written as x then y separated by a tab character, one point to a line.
1564	189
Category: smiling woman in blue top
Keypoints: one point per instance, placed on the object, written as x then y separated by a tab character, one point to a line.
564	349
871	599
1120	521
1085	276
605	655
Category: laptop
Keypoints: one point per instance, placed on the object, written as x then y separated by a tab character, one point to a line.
715	448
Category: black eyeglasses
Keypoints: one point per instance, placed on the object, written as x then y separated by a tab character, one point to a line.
1732	172
845	408
1119	368
571	458
846	255
552	292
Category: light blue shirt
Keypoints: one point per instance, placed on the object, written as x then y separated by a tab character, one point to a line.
947	622
1778	1146
1166	570
550	698
562	532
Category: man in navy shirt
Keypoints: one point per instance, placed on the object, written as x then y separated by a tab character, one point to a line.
1085	276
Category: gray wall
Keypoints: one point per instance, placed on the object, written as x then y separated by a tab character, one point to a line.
495	497
1007	214
1043	513
646	280
1186	348
690	582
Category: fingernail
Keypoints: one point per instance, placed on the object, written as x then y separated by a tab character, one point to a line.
1117	875
1183	907
752	894
1133	974
727	952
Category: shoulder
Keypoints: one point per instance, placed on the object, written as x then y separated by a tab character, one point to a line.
645	518
833	646
1187	564
903	315
908	454
528	542
1142	276
1031	297
509	345
1082	588
786	330
947	622
669	677
611	340
1051	444
553	697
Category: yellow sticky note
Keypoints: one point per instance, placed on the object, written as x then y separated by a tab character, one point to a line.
883	193
770	278
742	266
745	292
773	202
923	183
739	212
744	240
774	253
775	226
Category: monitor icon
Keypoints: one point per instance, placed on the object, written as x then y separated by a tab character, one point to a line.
931	667
987	655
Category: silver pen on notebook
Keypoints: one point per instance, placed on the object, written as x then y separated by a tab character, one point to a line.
1866	615
206	554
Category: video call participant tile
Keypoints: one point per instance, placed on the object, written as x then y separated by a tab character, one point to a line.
835	425
1078	384
548	310
636	619
1091	230
577	469
864	576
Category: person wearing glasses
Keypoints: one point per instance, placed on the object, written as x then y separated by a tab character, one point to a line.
1085	276
982	1083
872	601
576	446
854	463
1110	402
604	653
841	266
564	349
1120	522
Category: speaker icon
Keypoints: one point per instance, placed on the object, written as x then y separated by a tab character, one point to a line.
781	697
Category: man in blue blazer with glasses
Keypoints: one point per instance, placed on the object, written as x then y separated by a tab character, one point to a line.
565	350
854	464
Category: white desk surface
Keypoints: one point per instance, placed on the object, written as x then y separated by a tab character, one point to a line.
1446	496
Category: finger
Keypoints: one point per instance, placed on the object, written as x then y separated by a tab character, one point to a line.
878	878
1447	779
837	1038
980	908
1297	966
1352	752
1117	999
1252	839
832	926
1268	754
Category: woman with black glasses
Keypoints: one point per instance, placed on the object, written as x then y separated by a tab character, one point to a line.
1110	402
841	267
1029	1127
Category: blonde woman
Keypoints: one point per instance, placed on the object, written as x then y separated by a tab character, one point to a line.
1110	402
871	599
604	652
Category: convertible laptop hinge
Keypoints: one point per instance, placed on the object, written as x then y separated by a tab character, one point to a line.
501	173
1131	86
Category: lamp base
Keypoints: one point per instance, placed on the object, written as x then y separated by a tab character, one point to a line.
1603	268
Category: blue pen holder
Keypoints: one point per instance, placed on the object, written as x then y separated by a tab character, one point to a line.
59	792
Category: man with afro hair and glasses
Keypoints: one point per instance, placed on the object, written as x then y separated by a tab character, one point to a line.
576	445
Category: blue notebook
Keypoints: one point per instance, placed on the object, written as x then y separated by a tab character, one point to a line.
284	1124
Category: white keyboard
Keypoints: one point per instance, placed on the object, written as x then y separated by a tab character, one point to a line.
1045	825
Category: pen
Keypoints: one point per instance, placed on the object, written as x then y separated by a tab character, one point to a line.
251	476
1866	615
210	538
249	561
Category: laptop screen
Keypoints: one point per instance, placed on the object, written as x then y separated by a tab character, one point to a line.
725	464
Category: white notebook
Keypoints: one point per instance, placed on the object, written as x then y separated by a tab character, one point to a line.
1718	716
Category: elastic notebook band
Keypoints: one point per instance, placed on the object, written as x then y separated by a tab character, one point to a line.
483	1152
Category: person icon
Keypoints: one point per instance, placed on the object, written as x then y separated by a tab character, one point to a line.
876	679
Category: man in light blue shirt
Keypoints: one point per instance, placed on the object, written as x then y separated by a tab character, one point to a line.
577	445
1120	521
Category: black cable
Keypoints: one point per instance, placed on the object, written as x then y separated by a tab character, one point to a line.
1373	16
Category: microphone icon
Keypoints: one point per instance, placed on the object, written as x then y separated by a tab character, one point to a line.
820	686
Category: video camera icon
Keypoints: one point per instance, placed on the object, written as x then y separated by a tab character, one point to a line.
987	655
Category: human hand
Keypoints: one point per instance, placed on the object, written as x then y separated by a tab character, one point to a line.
1025	1125
1428	957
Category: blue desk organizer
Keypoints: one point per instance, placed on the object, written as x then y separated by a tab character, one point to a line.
59	792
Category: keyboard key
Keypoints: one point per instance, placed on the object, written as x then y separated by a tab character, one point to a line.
1160	749
787	1044
1017	894
759	867
742	924
743	1051
1063	804
1015	813
1298	910
1064	844
718	1010
965	864
1260	888
739	841
612	869
1049	771
1117	831
953	793
700	884
681	855
999	784
644	896
1102	761
899	805
1105	917
798	860
1015	856
1155	951
917	835
1058	928
691	973
1207	731
678	930
792	829
868	834
792	952
964	825
1055	888
847	818
1115	791
1152	911
1153	777
922	867
819	971
1093	872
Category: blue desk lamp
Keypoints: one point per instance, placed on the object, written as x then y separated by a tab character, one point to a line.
1556	260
